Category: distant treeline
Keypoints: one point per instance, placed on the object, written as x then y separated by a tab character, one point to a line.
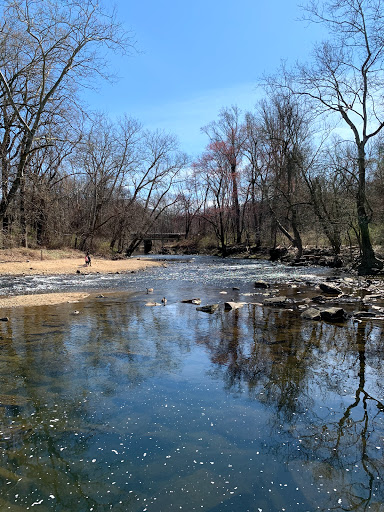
305	166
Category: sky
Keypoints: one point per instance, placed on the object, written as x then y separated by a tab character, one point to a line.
194	58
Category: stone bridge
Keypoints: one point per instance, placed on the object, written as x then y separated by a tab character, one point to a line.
158	236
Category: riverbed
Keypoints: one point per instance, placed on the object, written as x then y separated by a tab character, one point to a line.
110	404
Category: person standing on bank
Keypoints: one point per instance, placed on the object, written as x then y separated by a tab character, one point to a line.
88	259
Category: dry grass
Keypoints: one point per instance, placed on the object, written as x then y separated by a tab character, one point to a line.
21	254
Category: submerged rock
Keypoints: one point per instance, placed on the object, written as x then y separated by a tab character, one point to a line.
319	299
14	435
364	314
13	400
209	308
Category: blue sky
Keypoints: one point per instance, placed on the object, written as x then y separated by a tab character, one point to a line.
196	57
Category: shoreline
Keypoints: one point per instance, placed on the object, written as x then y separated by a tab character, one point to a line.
64	266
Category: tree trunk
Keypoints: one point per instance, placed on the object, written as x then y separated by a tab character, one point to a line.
132	247
297	242
236	205
41	224
23	220
4	191
369	263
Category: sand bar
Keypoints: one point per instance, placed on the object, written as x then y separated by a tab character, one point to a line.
64	266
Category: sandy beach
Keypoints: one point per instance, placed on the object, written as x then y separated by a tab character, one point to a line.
63	266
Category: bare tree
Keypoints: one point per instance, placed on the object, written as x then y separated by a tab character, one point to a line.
190	201
331	181
284	130
151	187
212	172
345	78
104	159
47	51
46	170
227	136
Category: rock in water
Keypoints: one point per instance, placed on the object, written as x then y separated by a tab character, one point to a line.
277	302
331	290
364	314
262	284
233	305
311	314
209	308
334	314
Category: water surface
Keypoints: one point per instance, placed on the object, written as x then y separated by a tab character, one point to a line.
133	408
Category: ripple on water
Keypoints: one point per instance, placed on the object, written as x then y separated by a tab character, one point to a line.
200	269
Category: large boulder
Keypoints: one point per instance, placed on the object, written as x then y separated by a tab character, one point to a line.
333	314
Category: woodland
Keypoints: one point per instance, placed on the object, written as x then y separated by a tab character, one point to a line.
304	168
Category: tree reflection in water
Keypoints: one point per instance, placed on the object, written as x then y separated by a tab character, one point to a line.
323	383
80	388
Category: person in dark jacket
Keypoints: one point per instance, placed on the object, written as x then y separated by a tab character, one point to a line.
88	259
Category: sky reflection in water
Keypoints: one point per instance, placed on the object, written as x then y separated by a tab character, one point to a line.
132	408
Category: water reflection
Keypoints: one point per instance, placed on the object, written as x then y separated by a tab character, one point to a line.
132	408
324	386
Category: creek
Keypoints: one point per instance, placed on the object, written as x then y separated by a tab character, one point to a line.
109	404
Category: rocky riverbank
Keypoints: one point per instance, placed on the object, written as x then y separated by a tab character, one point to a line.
335	300
347	260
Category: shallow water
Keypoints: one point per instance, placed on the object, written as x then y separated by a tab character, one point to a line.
133	408
200	270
